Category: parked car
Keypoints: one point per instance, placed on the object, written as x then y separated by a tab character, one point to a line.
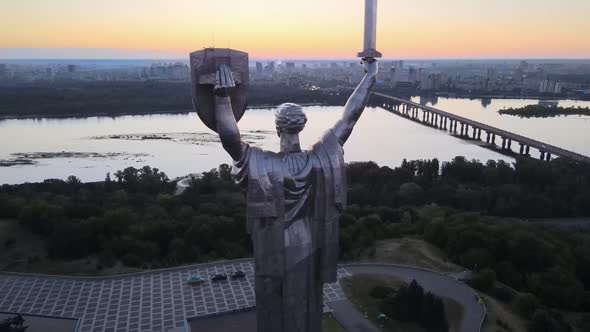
219	277
194	280
238	274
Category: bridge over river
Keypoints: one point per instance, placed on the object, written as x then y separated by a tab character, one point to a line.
470	129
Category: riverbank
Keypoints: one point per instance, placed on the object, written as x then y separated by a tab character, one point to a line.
482	96
90	115
540	111
118	114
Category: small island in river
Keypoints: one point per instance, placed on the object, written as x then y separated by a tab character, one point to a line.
543	111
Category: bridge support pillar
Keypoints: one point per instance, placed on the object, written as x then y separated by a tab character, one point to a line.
509	144
462	129
527	150
521	148
542	155
548	156
503	143
488	138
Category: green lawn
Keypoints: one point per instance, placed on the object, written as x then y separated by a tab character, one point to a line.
330	324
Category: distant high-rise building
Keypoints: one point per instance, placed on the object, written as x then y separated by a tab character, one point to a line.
491	73
3	70
259	68
412	75
48	73
269	69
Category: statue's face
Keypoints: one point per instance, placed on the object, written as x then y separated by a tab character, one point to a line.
290	118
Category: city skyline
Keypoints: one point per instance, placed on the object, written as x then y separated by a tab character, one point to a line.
423	29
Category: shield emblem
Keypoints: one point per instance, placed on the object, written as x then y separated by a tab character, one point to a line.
204	66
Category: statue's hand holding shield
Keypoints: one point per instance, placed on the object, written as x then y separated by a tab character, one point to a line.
219	72
224	81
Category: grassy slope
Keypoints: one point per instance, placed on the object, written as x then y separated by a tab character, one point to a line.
330	324
503	312
411	252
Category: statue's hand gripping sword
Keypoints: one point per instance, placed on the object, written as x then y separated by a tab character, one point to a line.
370	52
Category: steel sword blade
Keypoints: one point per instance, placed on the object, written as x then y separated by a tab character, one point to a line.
370	43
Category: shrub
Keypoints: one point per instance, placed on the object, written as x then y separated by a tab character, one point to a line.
381	292
548	321
10	243
526	305
502	293
131	260
483	280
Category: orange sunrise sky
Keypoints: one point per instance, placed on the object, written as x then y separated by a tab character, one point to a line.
295	29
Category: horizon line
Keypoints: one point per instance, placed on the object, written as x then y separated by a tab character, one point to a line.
305	58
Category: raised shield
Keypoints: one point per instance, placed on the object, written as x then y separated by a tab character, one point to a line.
204	66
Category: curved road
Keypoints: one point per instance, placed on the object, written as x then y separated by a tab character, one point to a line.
161	301
439	284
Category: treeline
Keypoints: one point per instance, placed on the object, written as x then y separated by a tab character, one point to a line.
410	303
538	111
134	218
114	98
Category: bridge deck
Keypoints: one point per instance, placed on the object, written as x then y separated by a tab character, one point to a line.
555	150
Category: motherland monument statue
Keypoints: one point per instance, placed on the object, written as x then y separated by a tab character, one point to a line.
294	196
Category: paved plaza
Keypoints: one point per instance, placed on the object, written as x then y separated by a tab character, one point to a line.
150	301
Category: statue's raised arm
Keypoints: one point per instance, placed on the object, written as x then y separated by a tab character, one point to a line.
357	102
227	127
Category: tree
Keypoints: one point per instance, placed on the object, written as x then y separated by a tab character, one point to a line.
483	280
73	181
548	321
432	314
526	304
411	194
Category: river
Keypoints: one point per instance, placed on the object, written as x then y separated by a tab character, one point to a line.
179	144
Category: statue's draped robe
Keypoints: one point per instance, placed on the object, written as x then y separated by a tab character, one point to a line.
294	202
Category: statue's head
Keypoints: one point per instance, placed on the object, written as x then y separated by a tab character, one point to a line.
290	119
